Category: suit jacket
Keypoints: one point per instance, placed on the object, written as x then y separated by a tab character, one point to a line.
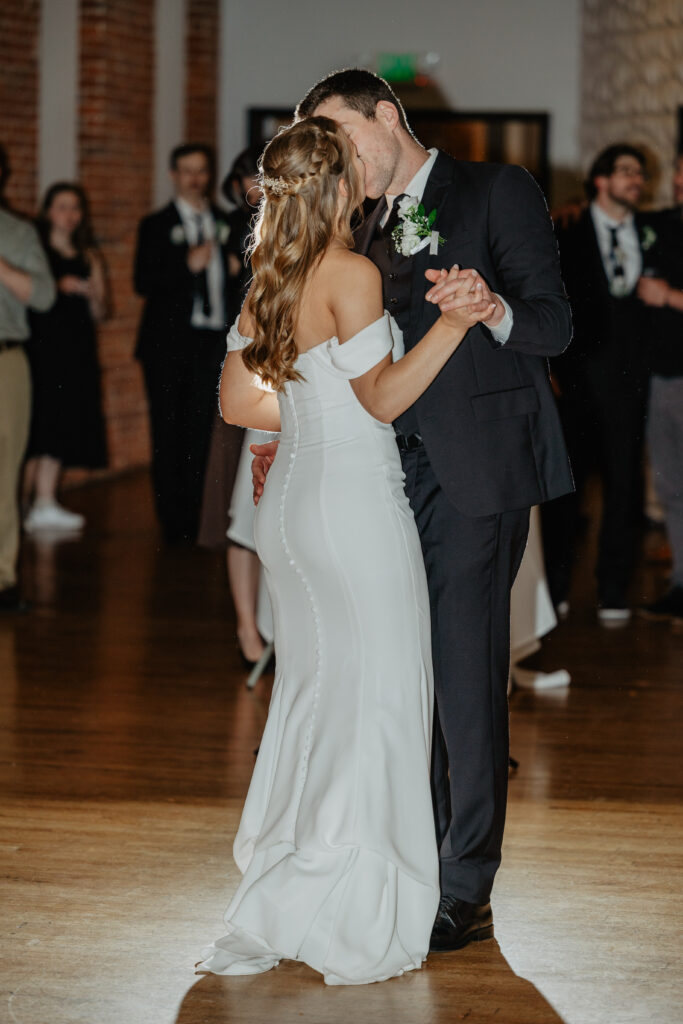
163	278
665	257
605	329
489	421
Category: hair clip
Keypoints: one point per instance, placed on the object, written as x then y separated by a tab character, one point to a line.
278	186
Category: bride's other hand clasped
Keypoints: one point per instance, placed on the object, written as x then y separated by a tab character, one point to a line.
450	286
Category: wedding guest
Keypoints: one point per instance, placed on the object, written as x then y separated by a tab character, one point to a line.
181	270
532	616
663	294
25	283
603	380
240	187
67	426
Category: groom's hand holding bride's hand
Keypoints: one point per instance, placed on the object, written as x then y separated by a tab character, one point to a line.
263	460
450	286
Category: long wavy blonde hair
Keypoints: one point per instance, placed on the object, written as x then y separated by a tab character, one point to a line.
299	215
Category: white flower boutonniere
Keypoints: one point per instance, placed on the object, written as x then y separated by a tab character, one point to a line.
178	234
648	237
222	232
415	230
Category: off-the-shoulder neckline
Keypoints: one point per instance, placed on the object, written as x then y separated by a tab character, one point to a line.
334	340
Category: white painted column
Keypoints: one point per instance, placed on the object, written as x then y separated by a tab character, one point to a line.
58	92
169	99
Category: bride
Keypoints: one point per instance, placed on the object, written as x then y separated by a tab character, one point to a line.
336	843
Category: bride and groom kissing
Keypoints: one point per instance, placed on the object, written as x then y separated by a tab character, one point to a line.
349	862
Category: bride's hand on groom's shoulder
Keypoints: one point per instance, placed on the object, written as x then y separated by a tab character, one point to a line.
263	460
462	296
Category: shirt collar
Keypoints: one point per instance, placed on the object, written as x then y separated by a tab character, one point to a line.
600	217
188	212
417	184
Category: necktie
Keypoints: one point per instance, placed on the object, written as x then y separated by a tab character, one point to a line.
616	256
392	219
201	286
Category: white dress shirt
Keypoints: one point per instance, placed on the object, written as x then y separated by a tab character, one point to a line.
191	218
630	254
415	189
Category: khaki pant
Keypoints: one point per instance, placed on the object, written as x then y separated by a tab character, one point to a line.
15	416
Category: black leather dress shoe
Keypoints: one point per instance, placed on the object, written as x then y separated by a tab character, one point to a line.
458	923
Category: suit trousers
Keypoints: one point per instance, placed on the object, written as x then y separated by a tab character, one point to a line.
602	413
15	418
471	565
182	389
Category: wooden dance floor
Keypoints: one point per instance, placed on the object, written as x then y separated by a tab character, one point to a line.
126	747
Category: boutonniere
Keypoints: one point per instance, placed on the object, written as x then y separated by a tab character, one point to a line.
178	234
648	237
415	230
222	232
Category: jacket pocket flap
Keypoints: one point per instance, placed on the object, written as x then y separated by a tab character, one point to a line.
498	405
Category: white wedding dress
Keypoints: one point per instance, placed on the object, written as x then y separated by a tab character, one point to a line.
336	844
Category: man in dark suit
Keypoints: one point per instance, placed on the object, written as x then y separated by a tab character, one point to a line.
480	447
181	270
663	294
603	379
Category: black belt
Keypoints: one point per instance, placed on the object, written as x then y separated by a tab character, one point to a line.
408	442
5	346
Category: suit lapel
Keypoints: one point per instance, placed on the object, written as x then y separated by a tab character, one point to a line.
597	272
437	193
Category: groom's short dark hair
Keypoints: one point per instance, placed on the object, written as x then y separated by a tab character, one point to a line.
360	90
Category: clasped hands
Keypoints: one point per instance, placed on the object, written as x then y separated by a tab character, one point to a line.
465	289
463	294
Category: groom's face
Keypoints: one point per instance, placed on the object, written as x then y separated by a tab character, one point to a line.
374	140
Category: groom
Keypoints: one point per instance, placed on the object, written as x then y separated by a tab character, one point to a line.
479	448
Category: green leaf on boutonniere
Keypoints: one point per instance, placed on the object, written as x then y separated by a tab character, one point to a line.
421	210
432	217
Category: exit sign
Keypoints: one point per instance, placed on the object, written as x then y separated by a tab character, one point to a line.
398	67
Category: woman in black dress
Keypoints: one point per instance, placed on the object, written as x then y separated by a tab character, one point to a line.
67	428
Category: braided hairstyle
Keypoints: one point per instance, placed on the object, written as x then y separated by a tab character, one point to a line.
299	216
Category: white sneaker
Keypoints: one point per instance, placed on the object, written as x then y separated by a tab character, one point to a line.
52	517
613	617
526	679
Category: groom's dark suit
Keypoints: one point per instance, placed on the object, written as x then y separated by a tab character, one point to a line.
480	447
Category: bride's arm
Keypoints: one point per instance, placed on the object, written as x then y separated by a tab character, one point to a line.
388	389
244	400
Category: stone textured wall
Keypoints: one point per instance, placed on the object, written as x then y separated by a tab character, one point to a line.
632	81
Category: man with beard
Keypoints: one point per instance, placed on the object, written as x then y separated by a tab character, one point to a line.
603	379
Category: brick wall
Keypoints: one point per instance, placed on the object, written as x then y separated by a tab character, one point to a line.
202	71
116	160
19	25
632	80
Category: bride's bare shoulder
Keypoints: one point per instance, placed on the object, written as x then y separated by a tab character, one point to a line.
351	273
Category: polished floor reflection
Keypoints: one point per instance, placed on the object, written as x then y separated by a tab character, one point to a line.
126	745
